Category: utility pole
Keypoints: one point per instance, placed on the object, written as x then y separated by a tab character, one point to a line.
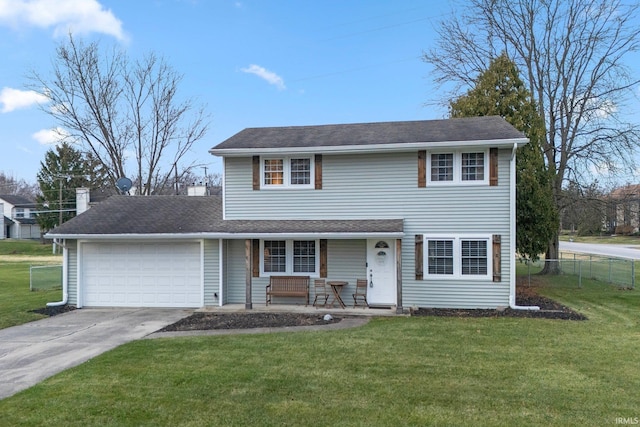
175	170
206	181
60	201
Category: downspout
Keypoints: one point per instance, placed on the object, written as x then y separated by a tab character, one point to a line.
65	293
512	238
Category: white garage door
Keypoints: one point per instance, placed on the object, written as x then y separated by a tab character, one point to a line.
141	275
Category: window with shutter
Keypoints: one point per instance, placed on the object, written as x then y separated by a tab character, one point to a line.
457	256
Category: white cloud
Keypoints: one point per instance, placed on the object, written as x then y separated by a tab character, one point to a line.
271	77
13	99
606	109
51	136
64	16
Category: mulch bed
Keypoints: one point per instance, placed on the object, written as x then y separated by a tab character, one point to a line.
203	321
53	311
525	296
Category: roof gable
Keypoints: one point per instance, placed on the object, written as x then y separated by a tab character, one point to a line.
459	130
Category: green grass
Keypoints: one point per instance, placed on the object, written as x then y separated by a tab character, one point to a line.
24	247
394	371
16	300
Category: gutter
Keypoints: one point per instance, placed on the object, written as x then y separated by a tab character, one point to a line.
512	239
231	236
368	148
65	291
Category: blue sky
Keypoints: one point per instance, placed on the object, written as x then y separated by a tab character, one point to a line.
252	62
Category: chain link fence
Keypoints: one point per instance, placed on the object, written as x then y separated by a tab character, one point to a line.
615	271
45	277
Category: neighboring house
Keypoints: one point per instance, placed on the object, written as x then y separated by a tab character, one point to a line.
18	221
423	210
624	203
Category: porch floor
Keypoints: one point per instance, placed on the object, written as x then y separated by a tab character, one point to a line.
299	308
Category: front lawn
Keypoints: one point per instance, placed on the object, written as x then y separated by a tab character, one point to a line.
394	371
16	300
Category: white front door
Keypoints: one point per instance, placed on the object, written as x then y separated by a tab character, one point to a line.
381	272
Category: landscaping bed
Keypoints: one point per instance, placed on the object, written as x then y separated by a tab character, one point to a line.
526	296
203	321
549	309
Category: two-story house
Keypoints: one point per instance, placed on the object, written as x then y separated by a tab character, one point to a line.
423	210
17	220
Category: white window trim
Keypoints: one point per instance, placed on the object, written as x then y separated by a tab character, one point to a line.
286	165
457	257
457	168
289	260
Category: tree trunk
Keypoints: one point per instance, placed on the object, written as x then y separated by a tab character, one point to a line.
552	256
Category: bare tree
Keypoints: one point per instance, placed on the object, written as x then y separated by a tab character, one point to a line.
17	187
572	56
115	107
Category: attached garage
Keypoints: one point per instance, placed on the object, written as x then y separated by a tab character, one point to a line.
141	274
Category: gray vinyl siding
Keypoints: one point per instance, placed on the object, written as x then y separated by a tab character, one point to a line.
225	274
346	260
235	272
72	271
365	186
211	272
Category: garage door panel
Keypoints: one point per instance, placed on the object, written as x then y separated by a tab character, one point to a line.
142	275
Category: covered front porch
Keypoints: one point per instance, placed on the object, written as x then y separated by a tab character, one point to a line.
247	267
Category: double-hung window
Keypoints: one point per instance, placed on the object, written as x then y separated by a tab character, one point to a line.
458	257
287	172
290	257
458	167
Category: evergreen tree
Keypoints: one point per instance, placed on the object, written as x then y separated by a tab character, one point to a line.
500	91
63	170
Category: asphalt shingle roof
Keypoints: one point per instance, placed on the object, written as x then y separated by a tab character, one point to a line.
461	129
198	214
18	201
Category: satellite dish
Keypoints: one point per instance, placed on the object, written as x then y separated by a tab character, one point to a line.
124	185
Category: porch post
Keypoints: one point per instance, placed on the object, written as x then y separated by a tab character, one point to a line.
399	308
248	270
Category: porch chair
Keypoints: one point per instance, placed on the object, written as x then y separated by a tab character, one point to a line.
320	289
361	292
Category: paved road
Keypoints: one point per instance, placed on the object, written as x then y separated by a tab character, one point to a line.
619	251
34	351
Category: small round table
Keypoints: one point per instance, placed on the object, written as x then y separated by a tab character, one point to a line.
336	289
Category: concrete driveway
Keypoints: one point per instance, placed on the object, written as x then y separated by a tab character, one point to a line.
34	351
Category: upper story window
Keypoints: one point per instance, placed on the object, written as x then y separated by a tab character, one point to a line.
287	172
458	167
473	166
20	213
273	172
442	167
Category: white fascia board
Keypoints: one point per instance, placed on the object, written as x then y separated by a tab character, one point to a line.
174	236
369	148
